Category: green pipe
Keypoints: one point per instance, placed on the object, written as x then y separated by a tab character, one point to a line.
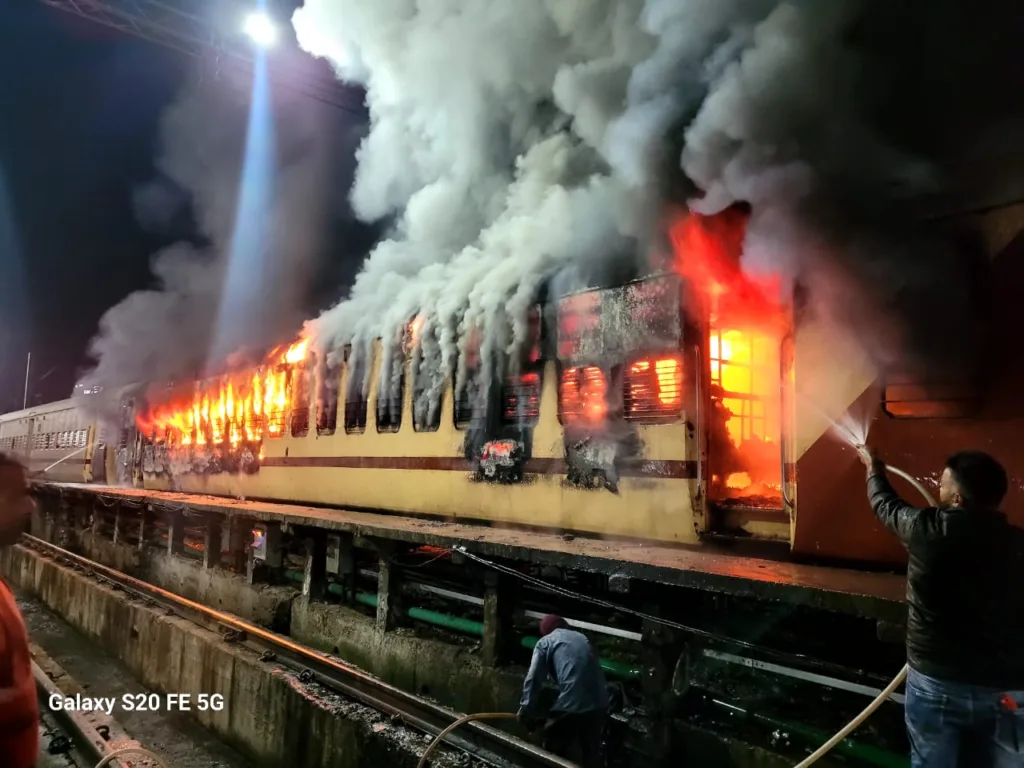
299	577
615	668
813	737
625	671
335	589
456	623
466	626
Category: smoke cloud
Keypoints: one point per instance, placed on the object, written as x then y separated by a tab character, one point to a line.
517	142
172	330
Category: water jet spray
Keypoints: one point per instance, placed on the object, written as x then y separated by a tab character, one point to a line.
846	429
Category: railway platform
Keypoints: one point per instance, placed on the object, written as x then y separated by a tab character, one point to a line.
713	568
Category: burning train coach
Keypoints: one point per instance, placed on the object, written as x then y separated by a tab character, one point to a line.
218	425
627	407
691	404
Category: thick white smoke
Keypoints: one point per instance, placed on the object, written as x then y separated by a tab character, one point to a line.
515	140
468	144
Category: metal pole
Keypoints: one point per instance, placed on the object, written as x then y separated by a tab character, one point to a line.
28	367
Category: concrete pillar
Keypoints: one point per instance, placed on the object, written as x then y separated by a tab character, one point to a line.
83	521
347	567
175	533
657	671
252	565
266	556
145	516
63	525
656	685
314	580
239	538
389	588
96	519
211	543
498	604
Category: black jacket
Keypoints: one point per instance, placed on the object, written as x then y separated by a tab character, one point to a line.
965	589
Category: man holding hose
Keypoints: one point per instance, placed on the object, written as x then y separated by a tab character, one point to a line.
965	627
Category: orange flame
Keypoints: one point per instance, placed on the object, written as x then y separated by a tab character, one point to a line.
415	329
747	327
296	353
584	395
230	410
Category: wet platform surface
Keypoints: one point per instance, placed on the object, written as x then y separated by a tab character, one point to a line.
844	590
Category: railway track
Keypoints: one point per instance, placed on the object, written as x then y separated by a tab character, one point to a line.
484	743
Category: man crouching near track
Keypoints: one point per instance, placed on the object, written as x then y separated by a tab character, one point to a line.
965	627
19	709
575	725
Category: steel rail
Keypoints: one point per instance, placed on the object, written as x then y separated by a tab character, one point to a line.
482	742
83	731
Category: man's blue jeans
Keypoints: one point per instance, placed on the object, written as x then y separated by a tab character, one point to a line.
952	725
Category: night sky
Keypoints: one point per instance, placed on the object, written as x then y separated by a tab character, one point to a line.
79	109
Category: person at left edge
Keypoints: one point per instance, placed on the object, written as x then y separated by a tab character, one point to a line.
19	708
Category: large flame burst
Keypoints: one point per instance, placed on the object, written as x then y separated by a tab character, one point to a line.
747	325
233	409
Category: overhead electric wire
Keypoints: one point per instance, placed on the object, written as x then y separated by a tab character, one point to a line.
164	24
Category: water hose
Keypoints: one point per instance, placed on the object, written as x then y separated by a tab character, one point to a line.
456	724
896	681
130	751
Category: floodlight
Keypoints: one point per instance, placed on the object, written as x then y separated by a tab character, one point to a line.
261	28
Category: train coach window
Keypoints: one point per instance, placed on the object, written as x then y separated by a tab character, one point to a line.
390	395
327	398
471	399
300	401
520	398
426	397
355	401
905	398
520	394
355	412
275	402
582	395
653	389
470	404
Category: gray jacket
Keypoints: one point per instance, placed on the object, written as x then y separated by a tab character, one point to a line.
568	657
